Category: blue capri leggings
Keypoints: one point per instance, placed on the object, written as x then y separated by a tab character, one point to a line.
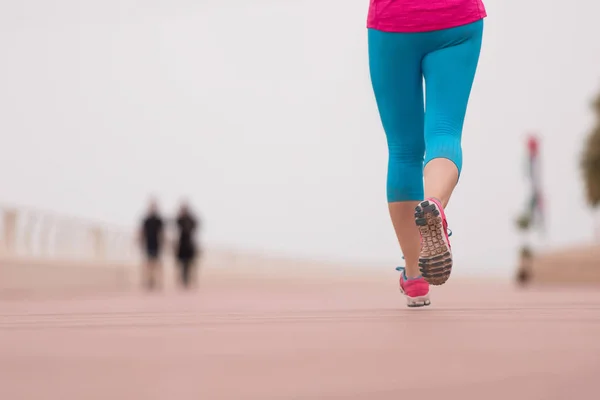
417	132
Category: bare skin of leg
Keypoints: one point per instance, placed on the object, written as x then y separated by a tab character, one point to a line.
153	276
409	238
441	177
158	275
148	276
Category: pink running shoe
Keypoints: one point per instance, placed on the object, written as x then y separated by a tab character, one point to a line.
435	261
416	290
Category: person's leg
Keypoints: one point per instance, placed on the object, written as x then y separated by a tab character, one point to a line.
449	72
181	268
185	277
149	280
155	278
158	273
191	276
395	68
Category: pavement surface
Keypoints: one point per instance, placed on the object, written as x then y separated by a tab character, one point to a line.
250	339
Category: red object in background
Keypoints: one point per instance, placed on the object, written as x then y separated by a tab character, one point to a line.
533	144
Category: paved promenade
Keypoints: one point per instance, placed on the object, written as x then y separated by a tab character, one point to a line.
310	340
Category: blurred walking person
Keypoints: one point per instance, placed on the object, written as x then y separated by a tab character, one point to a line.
187	249
152	240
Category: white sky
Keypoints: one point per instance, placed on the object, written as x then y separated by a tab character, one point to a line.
261	113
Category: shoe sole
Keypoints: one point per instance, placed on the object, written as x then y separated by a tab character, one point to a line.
414	302
420	301
435	260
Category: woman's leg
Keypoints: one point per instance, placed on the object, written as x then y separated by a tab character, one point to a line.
449	72
395	68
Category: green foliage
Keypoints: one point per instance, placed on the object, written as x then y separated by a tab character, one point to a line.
524	222
590	160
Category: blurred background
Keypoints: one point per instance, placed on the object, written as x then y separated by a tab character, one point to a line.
234	147
264	121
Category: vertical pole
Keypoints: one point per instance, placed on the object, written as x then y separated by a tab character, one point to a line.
99	244
10	231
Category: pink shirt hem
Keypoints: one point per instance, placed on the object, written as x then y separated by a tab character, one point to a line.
423	15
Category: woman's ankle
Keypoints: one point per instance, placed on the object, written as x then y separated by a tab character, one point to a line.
412	272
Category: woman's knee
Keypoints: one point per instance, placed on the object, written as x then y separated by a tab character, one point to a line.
445	145
405	180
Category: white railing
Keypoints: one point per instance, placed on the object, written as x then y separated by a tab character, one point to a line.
34	234
42	251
